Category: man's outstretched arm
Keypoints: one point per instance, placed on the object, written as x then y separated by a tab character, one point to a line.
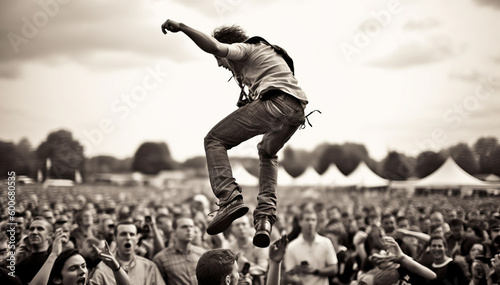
202	40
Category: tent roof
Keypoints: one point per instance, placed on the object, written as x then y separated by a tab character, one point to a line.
308	178
333	177
284	179
363	176
449	175
243	177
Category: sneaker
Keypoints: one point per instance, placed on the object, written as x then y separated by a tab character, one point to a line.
226	215
263	230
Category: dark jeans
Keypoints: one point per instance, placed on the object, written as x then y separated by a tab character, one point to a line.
277	118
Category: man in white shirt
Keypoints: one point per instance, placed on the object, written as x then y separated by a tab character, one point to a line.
310	257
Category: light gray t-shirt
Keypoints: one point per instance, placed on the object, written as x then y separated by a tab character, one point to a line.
261	69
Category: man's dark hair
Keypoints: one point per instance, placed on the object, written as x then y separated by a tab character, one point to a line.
230	34
457	223
386	216
401	218
176	219
124	223
214	265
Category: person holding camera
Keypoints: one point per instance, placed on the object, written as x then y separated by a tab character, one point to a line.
310	258
273	107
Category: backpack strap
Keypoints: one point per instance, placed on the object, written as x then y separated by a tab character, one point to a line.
281	51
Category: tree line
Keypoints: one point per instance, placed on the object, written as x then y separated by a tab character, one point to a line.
66	156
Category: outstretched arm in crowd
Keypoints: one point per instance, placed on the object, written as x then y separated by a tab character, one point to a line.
202	40
43	275
406	261
425	238
276	254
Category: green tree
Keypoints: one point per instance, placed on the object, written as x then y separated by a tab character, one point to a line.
151	158
462	154
428	162
295	162
396	166
483	148
108	164
495	160
65	154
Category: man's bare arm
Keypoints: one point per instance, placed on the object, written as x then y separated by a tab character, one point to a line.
202	40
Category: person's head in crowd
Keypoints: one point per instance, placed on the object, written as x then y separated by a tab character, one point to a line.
84	218
337	233
461	214
388	223
334	213
20	224
28	216
164	223
402	222
438	248
360	222
436	230
457	229
4	249
425	224
473	249
138	220
495	243
346	219
183	230
474	229
88	251
107	227
241	228
308	221
69	269
81	201
66	230
200	203
372	219
126	240
494	228
321	212
218	267
48	214
437	218
281	223
40	234
451	215
124	213
473	215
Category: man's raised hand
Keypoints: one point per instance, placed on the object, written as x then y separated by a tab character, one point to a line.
170	25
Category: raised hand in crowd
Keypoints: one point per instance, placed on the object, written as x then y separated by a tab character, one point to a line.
109	259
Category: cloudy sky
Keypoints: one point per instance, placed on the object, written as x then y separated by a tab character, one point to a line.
401	75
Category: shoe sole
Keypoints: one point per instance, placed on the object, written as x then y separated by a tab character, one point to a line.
223	224
261	239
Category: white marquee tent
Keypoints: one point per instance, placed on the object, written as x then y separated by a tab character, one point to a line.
308	178
364	177
332	177
449	176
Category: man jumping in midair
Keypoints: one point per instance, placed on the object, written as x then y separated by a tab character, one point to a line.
274	108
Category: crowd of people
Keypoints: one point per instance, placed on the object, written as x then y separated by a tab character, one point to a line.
88	239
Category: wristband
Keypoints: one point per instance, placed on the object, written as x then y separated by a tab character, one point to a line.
117	268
